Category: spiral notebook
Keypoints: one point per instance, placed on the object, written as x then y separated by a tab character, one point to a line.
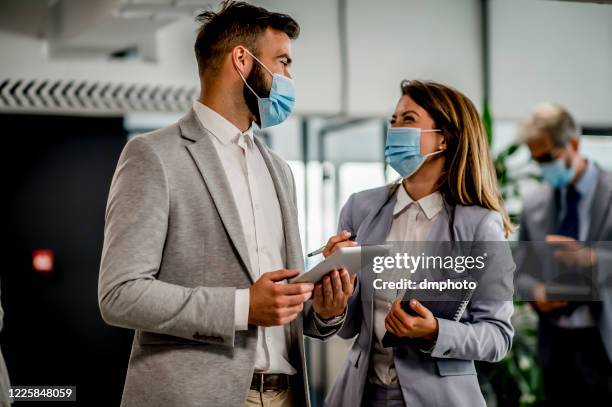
451	309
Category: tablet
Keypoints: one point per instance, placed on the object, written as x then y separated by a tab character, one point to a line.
347	257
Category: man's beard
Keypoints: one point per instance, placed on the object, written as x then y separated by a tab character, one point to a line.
257	81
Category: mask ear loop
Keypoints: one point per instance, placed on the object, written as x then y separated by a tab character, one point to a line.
242	76
247	85
261	63
433	152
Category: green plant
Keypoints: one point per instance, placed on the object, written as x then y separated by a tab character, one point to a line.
516	380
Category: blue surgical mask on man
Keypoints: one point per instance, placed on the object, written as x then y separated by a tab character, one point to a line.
557	174
279	104
403	149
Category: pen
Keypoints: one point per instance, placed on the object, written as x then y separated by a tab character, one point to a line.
320	250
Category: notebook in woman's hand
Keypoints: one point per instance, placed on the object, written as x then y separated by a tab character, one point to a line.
445	308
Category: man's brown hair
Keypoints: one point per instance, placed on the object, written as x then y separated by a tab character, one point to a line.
236	23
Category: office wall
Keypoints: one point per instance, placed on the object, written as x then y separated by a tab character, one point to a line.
539	50
385	45
551	51
417	39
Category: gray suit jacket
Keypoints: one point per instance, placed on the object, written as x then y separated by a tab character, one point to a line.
447	376
539	218
174	254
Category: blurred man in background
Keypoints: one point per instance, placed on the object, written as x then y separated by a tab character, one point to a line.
571	212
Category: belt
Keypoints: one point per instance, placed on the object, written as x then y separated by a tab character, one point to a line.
263	382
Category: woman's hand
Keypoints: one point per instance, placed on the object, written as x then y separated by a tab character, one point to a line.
337	241
423	325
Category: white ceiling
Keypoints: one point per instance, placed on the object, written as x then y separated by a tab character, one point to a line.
539	50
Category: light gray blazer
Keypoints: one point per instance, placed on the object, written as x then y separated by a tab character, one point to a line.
174	254
538	219
447	376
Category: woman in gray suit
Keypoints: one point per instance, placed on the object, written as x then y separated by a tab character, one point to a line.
448	192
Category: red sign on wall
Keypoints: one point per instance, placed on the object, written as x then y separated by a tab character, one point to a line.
42	261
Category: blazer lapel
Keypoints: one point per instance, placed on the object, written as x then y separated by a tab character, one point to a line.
543	218
376	226
600	206
293	245
205	156
440	231
294	258
374	230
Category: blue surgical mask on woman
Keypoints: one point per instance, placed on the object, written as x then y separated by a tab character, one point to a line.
403	149
279	104
557	174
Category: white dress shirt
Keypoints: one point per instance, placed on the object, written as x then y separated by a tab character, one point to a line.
260	215
412	221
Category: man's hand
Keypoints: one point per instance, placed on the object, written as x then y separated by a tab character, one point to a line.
337	241
571	252
332	294
541	302
273	303
400	324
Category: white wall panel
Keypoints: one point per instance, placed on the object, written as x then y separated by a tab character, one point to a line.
393	40
551	51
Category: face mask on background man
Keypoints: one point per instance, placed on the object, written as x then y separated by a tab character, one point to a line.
279	103
403	149
557	174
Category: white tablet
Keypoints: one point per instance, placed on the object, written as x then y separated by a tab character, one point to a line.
347	257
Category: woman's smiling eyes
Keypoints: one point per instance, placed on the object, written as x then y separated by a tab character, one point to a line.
406	119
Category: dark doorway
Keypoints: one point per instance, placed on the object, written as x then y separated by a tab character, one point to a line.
57	175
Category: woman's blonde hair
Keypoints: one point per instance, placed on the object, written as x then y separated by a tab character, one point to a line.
469	175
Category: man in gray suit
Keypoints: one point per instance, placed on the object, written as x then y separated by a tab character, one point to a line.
572	212
201	235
